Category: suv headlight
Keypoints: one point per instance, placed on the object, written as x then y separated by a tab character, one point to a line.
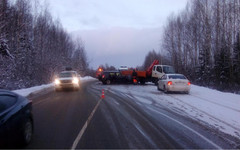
57	82
75	80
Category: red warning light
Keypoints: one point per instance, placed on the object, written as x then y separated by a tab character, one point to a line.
169	83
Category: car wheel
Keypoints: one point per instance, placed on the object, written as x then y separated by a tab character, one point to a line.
158	87
108	82
164	89
187	92
27	132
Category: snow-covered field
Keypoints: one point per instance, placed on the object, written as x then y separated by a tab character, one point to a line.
26	92
216	109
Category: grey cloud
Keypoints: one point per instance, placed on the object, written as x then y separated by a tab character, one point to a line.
112	13
90	21
119	46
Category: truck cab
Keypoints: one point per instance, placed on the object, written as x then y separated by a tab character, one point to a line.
159	70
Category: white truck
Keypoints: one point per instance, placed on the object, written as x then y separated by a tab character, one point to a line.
159	70
152	74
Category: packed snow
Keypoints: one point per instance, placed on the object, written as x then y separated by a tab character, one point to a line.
26	92
87	78
216	109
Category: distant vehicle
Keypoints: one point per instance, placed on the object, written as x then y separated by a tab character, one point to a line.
174	82
109	77
16	120
123	68
67	79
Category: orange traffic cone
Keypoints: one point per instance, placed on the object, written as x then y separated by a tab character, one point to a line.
102	94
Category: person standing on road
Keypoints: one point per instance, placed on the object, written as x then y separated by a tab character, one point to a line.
134	76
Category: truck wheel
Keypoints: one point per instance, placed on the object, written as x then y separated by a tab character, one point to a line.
108	81
155	81
142	82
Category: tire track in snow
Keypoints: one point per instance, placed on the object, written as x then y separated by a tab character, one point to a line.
203	112
204	99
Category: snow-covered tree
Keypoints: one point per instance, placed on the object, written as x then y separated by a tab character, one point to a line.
223	65
4	49
33	46
236	60
79	59
203	41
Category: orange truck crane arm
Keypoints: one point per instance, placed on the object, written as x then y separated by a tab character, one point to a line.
149	70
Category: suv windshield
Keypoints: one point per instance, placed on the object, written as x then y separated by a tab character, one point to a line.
66	74
168	69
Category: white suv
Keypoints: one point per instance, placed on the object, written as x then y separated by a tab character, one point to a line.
67	79
123	68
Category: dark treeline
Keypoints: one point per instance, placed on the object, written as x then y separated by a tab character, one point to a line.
107	67
153	55
34	46
203	43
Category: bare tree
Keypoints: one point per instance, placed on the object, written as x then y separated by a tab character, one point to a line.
201	41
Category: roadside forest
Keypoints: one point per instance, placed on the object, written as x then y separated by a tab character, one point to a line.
34	46
203	43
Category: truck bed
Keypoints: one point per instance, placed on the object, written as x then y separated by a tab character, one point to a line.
140	74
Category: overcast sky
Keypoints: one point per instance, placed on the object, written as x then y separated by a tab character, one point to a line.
117	32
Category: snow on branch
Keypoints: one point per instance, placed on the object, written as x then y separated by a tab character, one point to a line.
4	49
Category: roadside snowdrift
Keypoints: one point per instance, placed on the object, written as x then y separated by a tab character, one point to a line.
26	92
216	109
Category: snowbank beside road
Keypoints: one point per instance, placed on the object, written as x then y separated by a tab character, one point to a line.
87	78
214	108
26	92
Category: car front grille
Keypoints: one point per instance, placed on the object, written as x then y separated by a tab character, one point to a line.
66	81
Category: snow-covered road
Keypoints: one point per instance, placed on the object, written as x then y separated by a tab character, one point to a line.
209	107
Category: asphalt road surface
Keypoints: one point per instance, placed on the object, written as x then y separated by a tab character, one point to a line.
81	119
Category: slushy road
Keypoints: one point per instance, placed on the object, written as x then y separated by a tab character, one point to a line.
117	121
